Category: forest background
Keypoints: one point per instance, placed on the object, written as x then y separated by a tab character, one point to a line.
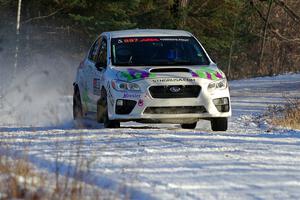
245	37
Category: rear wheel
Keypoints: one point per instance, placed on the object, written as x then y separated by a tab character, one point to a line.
219	124
77	106
102	114
189	126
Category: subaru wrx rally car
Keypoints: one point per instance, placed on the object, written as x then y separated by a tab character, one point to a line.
150	76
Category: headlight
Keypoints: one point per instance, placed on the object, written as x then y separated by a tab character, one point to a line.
222	84
124	86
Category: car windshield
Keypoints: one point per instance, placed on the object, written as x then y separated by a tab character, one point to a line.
157	51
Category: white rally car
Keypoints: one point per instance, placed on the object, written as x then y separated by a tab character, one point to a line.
151	76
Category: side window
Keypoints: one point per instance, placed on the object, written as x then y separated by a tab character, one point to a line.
94	50
102	58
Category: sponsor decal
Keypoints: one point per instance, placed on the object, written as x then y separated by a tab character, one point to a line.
96	87
149	40
85	97
208	73
129	95
166	80
134	74
175	39
130	40
134	40
141	102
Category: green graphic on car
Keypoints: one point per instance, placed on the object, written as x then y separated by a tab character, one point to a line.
203	72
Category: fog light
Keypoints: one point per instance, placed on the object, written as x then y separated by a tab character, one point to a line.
225	101
120	102
124	106
221	101
222	104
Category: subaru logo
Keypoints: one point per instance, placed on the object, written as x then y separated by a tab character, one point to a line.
175	89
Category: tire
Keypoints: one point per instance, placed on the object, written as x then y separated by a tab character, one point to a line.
189	126
77	106
102	114
100	111
219	124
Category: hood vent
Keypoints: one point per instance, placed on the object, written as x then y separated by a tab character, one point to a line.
167	70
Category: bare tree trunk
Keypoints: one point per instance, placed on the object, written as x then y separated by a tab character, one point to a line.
231	48
17	37
184	3
260	62
288	10
183	6
179	10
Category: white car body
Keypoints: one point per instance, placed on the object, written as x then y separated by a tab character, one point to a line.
158	93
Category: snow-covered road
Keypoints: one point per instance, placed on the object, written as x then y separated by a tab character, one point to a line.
249	161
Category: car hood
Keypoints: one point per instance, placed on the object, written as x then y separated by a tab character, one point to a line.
210	72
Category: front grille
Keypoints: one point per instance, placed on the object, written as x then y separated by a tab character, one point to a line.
175	91
175	110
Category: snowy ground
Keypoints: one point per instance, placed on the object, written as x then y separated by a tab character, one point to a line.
249	161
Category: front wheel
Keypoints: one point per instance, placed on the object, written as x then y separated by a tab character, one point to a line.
102	114
219	124
189	126
110	123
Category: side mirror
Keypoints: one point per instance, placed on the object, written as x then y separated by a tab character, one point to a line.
100	65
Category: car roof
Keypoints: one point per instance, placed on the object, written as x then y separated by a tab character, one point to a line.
146	33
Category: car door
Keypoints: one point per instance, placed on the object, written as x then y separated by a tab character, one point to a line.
97	72
89	74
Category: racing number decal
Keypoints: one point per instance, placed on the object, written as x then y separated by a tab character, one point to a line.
96	87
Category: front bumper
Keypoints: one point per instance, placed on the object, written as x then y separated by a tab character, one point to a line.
168	110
